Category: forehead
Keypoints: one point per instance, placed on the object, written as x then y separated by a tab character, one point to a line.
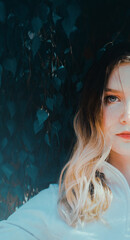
119	78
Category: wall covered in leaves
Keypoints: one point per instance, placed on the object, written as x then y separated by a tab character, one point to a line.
46	47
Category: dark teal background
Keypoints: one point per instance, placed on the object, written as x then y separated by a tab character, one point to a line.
46	47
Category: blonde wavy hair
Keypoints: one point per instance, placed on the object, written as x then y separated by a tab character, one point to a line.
84	195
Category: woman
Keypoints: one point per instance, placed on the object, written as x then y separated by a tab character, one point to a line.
92	200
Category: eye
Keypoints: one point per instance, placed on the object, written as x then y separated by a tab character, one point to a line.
111	99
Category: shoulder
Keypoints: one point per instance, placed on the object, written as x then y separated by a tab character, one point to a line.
33	218
39	205
42	199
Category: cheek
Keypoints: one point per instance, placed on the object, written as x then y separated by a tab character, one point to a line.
111	115
109	124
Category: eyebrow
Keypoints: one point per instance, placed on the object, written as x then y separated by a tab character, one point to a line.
111	90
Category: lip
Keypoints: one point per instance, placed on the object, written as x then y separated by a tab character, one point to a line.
125	135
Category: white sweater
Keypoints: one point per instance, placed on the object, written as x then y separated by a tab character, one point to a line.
39	218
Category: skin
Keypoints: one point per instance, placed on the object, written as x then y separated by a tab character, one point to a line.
116	117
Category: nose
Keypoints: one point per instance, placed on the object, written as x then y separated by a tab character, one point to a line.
125	116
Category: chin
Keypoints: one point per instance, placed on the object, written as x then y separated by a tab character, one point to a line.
122	149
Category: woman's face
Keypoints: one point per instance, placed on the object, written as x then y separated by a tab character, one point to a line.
116	110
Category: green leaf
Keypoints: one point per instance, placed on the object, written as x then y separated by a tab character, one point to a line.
31	35
67	50
47	140
31	171
35	45
55	17
61	72
50	103
58	100
28	46
11	126
26	141
7	169
22	156
42	116
36	24
56	126
69	22
37	127
79	86
57	83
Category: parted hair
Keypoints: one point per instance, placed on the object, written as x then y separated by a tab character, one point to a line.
83	191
